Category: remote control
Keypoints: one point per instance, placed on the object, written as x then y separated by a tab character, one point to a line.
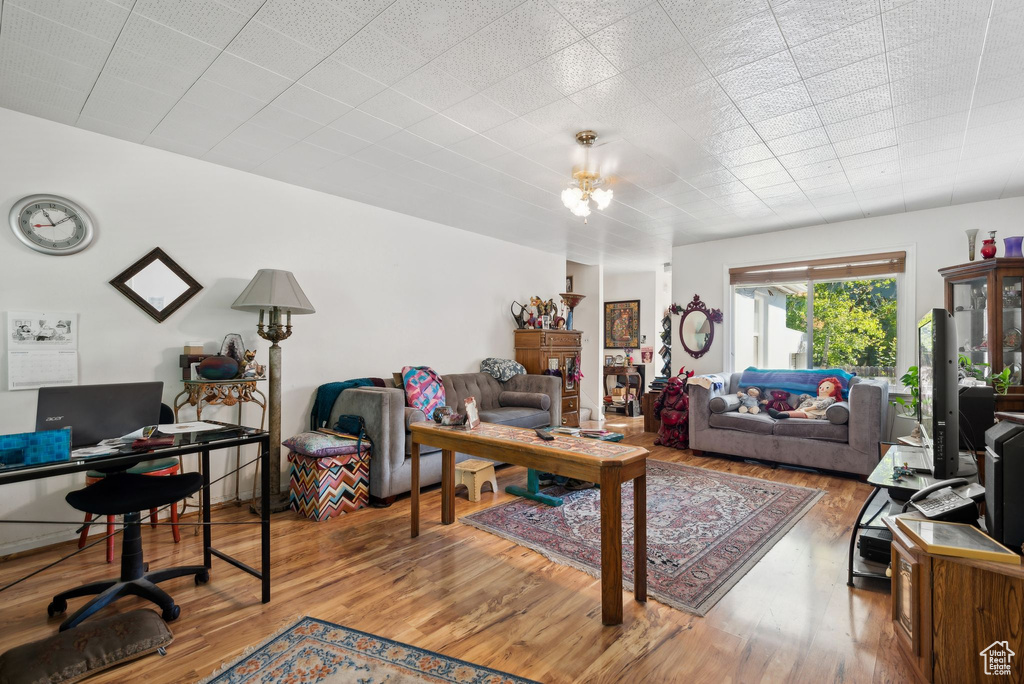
546	436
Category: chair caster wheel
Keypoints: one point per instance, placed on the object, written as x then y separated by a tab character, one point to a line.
56	607
202	577
171	614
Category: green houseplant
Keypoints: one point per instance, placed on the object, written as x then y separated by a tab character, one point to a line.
912	381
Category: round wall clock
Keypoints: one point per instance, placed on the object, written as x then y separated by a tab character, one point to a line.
51	224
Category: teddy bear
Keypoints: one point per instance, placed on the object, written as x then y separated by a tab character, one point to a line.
672	409
779	401
749	401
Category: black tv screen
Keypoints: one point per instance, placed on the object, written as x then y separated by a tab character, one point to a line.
938	410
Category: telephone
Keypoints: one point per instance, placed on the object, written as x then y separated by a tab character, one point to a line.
954	500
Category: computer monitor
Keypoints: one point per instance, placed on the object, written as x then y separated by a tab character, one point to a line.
938	408
98	412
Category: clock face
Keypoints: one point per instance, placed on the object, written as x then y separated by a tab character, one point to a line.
51	224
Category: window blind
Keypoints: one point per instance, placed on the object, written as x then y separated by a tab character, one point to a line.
834	268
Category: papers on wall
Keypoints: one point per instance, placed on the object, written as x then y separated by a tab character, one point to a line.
42	349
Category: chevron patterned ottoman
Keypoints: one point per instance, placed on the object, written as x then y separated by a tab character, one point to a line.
322	488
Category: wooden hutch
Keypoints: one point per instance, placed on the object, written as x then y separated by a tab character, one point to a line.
985	300
541	350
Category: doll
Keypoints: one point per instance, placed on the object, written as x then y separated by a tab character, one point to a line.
829	392
749	401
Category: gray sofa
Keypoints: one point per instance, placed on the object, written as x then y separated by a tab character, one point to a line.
388	419
850	447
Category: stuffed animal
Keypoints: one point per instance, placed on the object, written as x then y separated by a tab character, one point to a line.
672	409
829	392
779	401
748	401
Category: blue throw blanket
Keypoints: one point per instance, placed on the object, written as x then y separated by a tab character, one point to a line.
794	381
326	395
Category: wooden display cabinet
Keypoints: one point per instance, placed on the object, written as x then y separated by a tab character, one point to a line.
541	350
985	300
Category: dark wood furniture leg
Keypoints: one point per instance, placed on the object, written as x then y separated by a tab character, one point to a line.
447	486
265	518
611	548
414	456
640	538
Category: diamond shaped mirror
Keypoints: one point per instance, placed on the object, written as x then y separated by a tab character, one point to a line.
157	285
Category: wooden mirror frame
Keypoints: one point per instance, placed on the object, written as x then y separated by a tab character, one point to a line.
713	315
120	282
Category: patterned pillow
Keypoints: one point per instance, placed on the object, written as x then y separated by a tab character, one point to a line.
502	369
423	389
319	445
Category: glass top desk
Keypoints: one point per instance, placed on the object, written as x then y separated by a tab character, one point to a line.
201	443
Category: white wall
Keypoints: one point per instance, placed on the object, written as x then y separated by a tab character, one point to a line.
390	290
642	286
662	300
588	317
933	238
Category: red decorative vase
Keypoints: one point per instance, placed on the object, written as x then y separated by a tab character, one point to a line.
988	249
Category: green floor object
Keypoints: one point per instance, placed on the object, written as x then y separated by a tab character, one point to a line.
532	490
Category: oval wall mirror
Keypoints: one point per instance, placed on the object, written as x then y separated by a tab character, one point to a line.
697	327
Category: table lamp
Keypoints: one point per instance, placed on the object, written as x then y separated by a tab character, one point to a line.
276	292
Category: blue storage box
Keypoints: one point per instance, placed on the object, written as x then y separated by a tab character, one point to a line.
33	448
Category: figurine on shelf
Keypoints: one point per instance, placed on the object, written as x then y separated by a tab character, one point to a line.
252	369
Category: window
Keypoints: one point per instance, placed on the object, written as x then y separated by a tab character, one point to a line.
828	313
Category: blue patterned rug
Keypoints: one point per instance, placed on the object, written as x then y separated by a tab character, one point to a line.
314	650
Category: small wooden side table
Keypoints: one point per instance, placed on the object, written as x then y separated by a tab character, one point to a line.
474	474
200	393
629	372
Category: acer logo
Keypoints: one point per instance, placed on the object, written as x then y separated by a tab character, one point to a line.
53	419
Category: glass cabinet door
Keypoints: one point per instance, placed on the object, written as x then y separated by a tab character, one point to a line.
970	302
1010	287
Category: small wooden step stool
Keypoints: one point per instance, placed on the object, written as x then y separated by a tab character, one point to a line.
474	474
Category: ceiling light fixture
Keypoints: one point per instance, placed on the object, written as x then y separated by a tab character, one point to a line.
585	184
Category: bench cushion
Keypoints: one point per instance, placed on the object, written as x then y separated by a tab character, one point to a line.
760	424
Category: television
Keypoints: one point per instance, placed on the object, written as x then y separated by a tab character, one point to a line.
938	407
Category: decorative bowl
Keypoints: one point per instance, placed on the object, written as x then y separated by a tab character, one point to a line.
218	368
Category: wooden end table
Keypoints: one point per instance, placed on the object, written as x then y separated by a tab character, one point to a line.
606	463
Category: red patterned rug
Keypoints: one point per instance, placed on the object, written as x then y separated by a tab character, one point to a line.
705	529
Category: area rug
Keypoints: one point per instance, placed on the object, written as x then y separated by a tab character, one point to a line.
314	650
705	529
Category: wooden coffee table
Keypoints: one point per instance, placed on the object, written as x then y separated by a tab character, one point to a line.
606	463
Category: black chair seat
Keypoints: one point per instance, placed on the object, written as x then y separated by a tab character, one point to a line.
123	493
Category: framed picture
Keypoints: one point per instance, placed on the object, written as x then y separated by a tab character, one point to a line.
609	360
568	283
472	414
622	324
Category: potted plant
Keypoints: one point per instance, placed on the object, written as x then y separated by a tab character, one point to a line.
905	417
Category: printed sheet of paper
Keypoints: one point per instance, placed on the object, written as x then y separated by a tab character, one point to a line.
42	349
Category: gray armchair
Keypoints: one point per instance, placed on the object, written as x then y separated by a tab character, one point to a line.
525	401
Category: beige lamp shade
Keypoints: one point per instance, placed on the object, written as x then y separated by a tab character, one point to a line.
270	288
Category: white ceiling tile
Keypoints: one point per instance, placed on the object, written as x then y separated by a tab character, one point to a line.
858	104
245	77
762	76
669	73
839	48
39	98
263	138
611	95
377	56
115	130
114	89
915	22
433	87
362	125
803	140
563	116
284	122
698	18
788	124
320	24
118	113
806	156
25	28
759	168
308	103
866	143
575	67
805	20
742	43
332	139
97	18
441	130
775	103
395	108
276	52
341	82
522	92
156	41
596	14
478	148
852	78
46	67
637	38
210	22
430	27
300	157
478	113
515	134
409	145
861	125
215	96
745	155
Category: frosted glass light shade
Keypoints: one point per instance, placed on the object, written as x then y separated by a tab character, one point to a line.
270	288
571	197
602	198
582	209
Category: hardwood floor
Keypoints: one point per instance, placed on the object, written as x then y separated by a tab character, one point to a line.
475	596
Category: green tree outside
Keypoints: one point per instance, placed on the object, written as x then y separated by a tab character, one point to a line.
854	322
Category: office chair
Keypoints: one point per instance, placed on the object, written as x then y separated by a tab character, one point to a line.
160	467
